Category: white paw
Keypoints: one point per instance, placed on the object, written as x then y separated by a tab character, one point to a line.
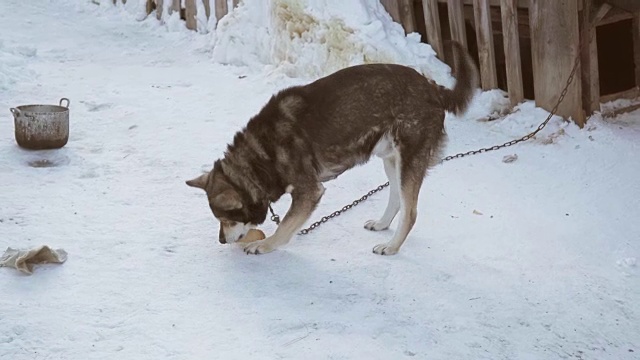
385	249
375	225
258	247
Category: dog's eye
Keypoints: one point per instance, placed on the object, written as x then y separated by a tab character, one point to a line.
228	223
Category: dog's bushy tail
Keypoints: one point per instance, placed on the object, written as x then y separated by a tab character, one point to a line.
457	100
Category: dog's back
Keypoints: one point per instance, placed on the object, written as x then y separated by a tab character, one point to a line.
343	116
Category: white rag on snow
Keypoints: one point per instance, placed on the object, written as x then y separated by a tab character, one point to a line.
23	260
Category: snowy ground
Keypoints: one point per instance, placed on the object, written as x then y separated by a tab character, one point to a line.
546	267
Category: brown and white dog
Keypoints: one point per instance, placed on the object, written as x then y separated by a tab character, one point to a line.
306	135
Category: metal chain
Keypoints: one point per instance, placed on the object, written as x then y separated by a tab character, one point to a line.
532	134
275	218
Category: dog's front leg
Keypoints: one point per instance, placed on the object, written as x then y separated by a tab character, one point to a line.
303	202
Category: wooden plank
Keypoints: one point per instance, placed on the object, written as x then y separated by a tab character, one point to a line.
614	15
393	8
407	15
456	22
521	3
598	14
590	16
624	110
190	12
221	9
175	6
523	21
630	94
636	45
207	8
589	60
512	50
554	55
484	37
159	9
432	24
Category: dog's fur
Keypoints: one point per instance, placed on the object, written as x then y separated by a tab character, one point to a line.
306	135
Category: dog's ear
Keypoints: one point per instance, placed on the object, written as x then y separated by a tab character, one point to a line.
228	200
199	182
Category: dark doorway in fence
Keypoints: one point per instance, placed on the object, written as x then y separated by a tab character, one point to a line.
615	57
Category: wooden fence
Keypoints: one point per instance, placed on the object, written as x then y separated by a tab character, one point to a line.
554	28
402	11
189	11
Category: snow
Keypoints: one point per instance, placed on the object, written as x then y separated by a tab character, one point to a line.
313	38
533	259
11	60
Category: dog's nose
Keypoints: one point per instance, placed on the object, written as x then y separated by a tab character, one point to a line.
221	237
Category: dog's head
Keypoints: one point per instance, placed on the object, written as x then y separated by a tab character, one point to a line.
234	210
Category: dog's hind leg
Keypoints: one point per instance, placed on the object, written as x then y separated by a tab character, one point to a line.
411	173
393	206
303	202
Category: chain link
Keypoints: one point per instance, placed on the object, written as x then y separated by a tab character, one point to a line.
275	218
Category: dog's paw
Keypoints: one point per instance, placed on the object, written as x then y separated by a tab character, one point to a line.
375	225
257	248
385	249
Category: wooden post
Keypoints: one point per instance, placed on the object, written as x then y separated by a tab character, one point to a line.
589	61
636	45
554	45
401	11
589	55
207	8
407	15
432	24
510	34
456	22
159	8
190	13
175	6
484	37
221	9
393	8
149	6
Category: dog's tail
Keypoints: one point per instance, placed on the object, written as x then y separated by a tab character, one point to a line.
464	69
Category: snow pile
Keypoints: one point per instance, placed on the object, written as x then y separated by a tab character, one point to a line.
313	38
303	39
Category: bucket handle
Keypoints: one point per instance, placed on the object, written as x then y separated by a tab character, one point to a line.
67	100
16	112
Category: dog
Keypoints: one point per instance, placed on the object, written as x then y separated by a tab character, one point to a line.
307	135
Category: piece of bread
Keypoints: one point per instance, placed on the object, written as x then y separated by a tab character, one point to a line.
252	235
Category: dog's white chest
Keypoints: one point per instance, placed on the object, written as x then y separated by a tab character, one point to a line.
384	147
